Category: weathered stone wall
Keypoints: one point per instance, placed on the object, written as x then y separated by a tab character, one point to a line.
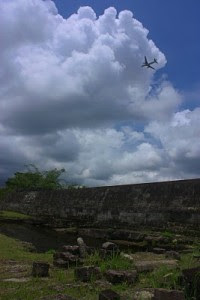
150	204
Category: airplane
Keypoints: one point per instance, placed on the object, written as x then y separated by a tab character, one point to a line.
148	64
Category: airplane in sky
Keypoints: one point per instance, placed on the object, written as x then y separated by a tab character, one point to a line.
148	64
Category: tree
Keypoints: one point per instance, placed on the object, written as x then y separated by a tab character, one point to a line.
35	179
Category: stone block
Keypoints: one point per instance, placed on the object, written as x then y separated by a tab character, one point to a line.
163	294
73	249
109	249
127	256
58	297
158	250
67	256
60	263
196	256
155	239
147	266
109	295
117	277
172	255
87	273
65	259
143	295
110	246
190	273
40	269
103	284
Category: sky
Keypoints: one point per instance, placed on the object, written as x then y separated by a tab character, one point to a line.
73	93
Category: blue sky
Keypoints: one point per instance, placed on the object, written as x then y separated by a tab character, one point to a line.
73	94
173	25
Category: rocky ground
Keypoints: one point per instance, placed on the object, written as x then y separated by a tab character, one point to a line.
130	265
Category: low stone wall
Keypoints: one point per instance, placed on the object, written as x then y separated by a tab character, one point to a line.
151	204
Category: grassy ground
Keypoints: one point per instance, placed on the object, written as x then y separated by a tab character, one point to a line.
16	264
13	215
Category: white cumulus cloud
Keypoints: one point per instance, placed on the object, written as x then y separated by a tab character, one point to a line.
73	94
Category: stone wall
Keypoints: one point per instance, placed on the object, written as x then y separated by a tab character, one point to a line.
150	204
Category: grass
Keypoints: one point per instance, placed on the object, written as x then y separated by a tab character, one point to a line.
188	261
167	278
11	249
115	262
13	215
60	281
13	257
162	277
16	262
167	234
37	288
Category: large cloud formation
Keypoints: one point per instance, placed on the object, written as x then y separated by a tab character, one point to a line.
73	94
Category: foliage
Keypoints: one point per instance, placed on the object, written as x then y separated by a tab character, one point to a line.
3	192
35	179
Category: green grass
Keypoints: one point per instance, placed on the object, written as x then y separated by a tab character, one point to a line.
12	253
163	277
38	288
11	249
188	261
62	281
13	215
167	234
167	278
115	262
